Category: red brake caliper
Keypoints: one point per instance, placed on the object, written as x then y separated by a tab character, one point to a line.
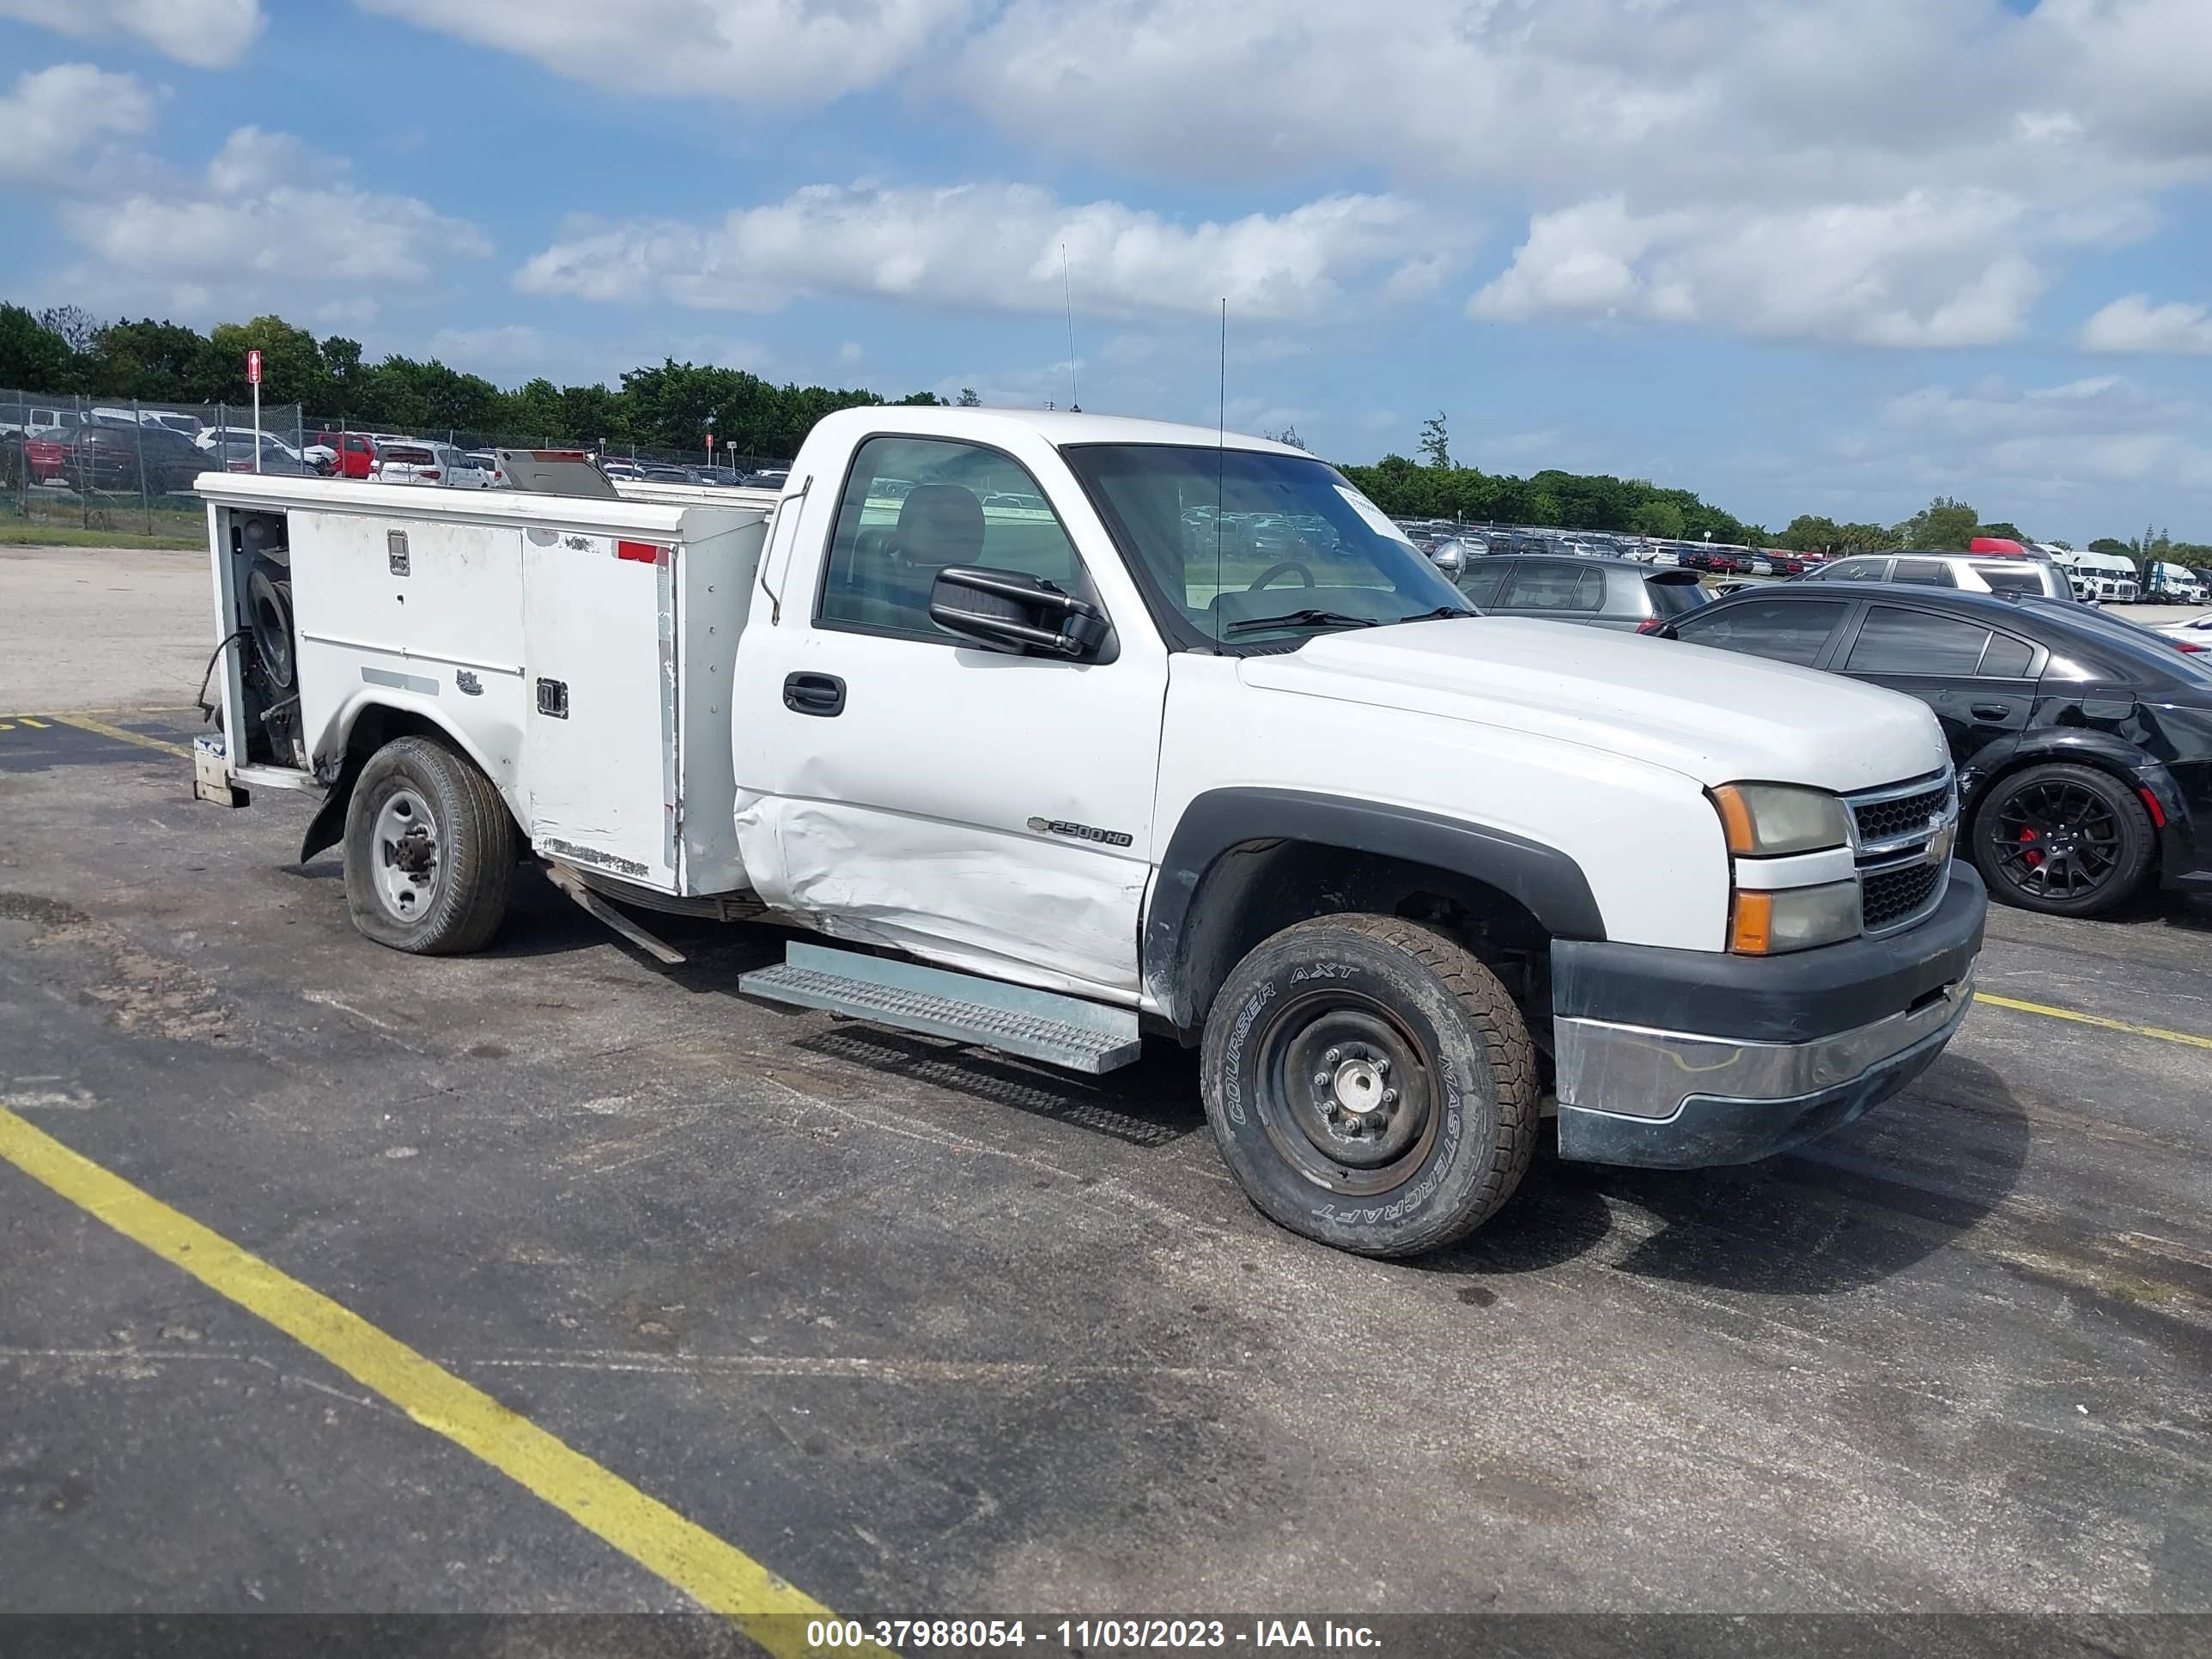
2031	858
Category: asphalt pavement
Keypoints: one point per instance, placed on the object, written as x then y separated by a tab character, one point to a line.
927	1332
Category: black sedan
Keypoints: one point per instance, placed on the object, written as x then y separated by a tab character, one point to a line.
1618	593
2083	746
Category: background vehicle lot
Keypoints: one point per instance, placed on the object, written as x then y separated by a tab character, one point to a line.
919	1328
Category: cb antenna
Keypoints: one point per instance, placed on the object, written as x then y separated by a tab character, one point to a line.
1067	298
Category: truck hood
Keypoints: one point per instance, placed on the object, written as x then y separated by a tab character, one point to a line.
1716	716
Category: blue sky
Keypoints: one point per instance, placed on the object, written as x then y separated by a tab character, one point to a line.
1835	256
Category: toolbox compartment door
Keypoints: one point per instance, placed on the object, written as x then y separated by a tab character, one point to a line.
600	633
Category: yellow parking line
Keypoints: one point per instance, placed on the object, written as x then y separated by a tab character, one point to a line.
716	1574
38	725
2097	1020
87	723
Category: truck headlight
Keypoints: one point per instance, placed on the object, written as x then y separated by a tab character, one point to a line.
1764	820
1793	918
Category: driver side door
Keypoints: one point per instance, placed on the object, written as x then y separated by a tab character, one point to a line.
980	809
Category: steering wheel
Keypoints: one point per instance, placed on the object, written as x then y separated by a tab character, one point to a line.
1275	570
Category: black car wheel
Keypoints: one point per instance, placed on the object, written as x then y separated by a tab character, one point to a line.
2068	841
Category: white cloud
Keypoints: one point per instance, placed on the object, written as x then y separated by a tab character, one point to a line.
766	52
51	116
205	34
2043	444
273	221
2135	325
1920	271
992	246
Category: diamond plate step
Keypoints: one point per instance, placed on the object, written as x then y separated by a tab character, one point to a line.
1064	1032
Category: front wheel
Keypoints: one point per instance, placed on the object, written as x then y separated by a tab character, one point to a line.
429	851
1370	1084
2065	840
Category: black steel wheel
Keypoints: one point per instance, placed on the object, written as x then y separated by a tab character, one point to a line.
2066	840
1369	1083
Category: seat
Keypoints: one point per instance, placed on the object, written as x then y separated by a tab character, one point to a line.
938	524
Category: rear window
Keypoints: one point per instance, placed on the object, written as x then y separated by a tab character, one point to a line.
1924	573
1672	597
406	456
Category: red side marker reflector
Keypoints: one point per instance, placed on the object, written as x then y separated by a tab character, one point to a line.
2157	812
641	552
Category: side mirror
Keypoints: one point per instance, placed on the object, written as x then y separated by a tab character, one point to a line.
1012	611
1449	557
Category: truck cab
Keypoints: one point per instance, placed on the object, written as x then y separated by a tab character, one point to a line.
1071	730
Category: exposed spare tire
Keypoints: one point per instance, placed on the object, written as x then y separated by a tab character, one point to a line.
269	599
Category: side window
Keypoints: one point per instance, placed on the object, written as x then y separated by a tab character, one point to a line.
2006	658
1783	630
913	506
1924	573
1481	582
1541	584
1893	641
2016	578
1855	570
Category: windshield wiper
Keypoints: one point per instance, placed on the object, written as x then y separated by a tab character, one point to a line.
1441	611
1308	618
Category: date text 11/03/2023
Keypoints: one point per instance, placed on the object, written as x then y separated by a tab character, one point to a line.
1086	1635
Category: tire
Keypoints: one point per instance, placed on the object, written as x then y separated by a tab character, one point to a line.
1328	998
429	851
2062	839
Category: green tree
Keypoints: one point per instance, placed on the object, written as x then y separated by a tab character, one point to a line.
2107	544
33	357
1655	517
968	399
1436	443
921	400
1944	525
2009	531
1288	435
1809	533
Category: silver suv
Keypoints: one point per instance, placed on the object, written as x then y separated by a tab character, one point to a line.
1975	573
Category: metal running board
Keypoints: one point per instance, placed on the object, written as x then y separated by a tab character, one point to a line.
1064	1032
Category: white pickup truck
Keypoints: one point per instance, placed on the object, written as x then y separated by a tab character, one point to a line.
1075	730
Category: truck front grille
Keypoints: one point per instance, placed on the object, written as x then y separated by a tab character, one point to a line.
1902	838
1888	899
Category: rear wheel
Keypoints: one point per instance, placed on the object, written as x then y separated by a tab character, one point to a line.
429	851
2066	840
1370	1084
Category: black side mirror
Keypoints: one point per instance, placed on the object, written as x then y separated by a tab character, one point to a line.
1012	611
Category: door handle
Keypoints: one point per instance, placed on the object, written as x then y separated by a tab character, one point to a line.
1992	711
814	694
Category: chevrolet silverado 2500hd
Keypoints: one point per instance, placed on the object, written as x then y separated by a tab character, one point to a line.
1071	729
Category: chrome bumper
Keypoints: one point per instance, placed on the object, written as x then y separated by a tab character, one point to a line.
1677	1100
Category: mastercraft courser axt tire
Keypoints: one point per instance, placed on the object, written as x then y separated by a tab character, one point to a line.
429	851
1370	1084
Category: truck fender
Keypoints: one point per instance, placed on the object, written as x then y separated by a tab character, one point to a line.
365	724
1544	880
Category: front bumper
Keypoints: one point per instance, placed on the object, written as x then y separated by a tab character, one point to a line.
1682	1060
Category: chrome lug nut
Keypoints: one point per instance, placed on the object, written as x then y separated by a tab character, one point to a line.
1332	1057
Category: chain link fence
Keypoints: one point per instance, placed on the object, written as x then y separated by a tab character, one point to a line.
71	461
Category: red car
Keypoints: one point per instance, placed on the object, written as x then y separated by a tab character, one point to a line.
43	458
356	454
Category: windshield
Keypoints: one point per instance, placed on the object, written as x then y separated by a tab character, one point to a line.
1237	547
